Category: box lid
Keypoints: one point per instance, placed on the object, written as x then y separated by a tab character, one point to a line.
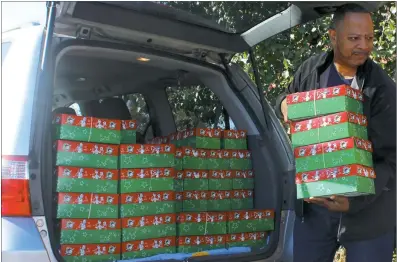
250	214
86	148
90	250
141	245
88	199
142	221
140	173
150	149
147	197
88	122
87	173
90	224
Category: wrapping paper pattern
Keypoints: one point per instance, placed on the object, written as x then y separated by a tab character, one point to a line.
247	221
219	200
91	252
234	139
87	205
221	179
240	160
128	131
243	179
147	248
255	240
201	223
147	180
147	156
242	199
87	180
195	201
324	101
191	244
80	154
88	231
87	129
195	180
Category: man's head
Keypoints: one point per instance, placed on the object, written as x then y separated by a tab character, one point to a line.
351	35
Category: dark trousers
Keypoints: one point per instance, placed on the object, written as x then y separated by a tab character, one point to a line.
315	240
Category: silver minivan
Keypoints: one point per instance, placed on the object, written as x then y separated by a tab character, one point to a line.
167	64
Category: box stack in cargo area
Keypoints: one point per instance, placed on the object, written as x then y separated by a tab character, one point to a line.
330	140
147	199
87	150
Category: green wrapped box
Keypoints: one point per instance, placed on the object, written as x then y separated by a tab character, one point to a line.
147	203
87	129
221	179
204	138
200	224
243	179
324	101
234	139
328	128
72	153
193	244
88	231
147	180
147	156
194	158
87	180
240	160
254	240
242	199
349	180
219	200
87	205
178	159
128	131
246	221
91	252
147	248
178	202
195	201
147	227
195	180
218	159
332	154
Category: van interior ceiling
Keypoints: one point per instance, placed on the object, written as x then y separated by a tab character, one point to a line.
89	73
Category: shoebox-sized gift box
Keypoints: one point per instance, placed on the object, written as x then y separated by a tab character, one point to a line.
219	200
240	160
324	101
91	252
88	231
147	180
246	221
147	203
147	156
332	154
243	179
253	239
146	227
195	201
348	180
234	139
82	154
128	131
327	128
87	205
201	223
221	179
87	180
87	129
194	158
195	179
205	138
218	159
242	199
148	248
192	244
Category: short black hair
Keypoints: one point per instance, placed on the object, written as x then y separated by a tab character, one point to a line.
341	11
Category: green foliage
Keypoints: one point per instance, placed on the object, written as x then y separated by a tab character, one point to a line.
280	56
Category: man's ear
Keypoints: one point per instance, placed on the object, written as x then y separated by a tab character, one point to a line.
332	36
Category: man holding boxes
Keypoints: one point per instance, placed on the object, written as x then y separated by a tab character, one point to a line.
364	224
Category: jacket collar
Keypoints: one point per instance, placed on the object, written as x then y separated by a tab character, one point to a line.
326	59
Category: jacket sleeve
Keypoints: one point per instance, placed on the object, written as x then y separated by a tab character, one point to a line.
293	87
382	133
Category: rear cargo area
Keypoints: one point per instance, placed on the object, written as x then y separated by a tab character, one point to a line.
128	188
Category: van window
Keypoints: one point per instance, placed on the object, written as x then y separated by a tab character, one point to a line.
139	111
197	106
5	47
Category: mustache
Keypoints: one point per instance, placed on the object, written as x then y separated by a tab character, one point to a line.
360	53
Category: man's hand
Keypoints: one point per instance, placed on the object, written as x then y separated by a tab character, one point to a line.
284	110
334	203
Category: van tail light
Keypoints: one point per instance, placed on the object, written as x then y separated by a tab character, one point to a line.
15	195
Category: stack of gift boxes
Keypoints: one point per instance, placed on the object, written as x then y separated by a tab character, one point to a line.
330	140
122	200
86	162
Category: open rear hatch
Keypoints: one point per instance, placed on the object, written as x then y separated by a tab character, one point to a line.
195	29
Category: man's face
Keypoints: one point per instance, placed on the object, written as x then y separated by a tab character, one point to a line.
352	38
